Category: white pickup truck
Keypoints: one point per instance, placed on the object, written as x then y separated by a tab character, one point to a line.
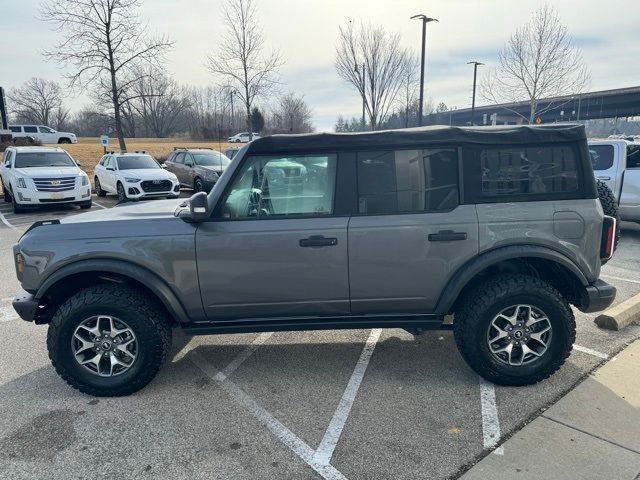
617	163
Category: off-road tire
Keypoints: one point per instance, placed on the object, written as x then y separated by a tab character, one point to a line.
610	208
99	191
476	310
141	313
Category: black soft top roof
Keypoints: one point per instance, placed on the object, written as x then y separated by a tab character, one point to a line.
418	137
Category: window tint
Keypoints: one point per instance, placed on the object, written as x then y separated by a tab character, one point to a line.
16	129
30	130
601	156
279	186
633	156
45	130
407	181
538	172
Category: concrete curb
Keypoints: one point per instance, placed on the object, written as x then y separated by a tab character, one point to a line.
620	316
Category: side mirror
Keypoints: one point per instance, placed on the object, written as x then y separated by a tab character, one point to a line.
198	208
162	165
111	169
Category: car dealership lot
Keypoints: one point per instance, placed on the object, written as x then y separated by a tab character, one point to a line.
333	404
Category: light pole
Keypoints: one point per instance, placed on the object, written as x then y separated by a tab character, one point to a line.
232	92
473	98
425	20
364	91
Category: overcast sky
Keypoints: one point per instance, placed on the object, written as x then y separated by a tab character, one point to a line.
305	33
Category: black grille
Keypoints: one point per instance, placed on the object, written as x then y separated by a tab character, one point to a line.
151	186
58	184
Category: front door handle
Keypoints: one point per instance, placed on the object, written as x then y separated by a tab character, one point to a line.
447	236
318	241
604	178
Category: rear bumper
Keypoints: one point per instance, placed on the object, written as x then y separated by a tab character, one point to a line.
26	305
597	296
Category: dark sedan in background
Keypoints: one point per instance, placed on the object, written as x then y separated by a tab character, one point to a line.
197	168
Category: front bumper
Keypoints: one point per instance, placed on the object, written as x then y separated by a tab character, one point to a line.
26	305
135	191
28	196
597	296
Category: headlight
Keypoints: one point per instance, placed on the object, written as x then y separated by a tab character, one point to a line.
85	180
131	180
21	183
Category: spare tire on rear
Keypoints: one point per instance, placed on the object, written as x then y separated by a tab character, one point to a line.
610	208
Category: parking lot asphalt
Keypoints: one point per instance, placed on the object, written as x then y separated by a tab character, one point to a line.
355	404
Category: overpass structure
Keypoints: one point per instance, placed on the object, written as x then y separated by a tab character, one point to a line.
621	102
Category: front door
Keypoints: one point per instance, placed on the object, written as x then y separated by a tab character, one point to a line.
274	248
411	234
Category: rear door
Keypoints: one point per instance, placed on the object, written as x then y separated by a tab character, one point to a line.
630	196
31	131
410	233
276	248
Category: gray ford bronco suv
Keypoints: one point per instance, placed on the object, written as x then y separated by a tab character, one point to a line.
490	231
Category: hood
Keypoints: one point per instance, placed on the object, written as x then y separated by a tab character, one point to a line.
128	211
48	172
148	174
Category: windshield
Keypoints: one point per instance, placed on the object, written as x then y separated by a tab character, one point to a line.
43	159
213	159
137	162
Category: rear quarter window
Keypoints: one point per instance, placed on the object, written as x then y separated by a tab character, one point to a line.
601	156
521	173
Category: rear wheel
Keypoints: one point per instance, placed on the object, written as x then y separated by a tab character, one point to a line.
514	329
99	191
610	208
109	340
122	195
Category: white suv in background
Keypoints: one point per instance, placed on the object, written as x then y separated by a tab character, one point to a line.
42	133
34	176
242	137
134	176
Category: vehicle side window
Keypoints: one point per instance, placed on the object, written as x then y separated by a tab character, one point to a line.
45	130
7	160
601	156
30	130
179	158
633	156
516	173
275	186
188	159
407	181
15	129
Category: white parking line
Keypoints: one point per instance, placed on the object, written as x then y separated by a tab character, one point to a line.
6	222
589	351
286	436
97	204
246	353
334	430
490	421
621	279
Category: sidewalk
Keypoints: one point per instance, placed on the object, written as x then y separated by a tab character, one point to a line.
593	432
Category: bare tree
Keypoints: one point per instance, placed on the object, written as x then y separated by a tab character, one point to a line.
291	115
409	89
539	61
373	61
37	101
104	41
158	100
241	60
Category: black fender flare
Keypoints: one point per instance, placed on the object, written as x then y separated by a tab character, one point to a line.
469	270
153	282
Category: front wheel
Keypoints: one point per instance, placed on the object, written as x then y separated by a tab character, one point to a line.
514	329
17	208
7	195
122	196
99	191
85	205
109	340
198	186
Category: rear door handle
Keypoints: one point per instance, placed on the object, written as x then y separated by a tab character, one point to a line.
447	236
318	241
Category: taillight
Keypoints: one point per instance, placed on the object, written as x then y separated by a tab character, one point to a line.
608	237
